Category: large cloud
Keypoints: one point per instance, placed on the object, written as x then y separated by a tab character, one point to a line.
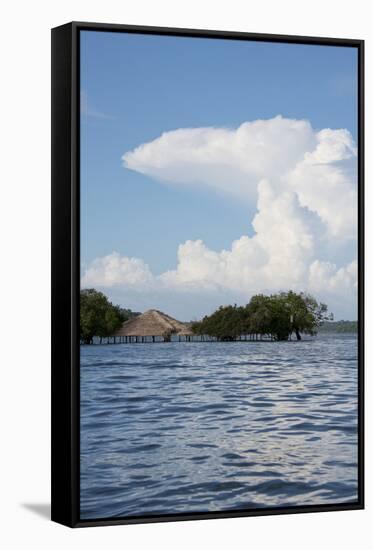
275	257
319	166
228	160
303	183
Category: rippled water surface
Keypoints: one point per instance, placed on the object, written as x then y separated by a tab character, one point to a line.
193	427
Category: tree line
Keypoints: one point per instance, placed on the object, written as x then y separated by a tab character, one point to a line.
339	326
276	316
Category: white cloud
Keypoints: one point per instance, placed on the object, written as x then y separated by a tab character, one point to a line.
114	269
325	182
275	257
326	277
303	183
224	159
319	166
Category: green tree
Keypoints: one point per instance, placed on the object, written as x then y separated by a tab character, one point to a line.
98	316
128	313
277	315
226	323
306	314
259	313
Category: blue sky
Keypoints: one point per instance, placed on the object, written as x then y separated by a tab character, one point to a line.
136	87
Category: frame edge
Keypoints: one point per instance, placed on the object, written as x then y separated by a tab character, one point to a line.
62	385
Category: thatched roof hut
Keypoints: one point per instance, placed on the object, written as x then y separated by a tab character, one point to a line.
153	323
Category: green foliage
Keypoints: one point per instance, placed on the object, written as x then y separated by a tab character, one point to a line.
226	323
301	313
98	316
128	313
277	316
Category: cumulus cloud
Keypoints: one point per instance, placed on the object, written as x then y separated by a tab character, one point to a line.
303	184
275	257
326	277
114	269
224	159
319	166
325	182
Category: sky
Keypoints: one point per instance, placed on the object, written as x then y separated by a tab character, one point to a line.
212	170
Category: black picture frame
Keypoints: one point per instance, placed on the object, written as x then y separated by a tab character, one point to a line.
66	273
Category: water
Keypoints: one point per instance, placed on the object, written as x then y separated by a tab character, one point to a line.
195	427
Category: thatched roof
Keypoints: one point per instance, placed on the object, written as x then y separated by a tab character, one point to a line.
153	323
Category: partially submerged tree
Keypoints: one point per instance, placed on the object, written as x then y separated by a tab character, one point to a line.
226	323
306	314
277	316
98	316
260	313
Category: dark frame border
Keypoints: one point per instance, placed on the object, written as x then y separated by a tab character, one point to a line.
65	458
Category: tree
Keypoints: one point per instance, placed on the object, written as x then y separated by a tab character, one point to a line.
277	315
98	316
305	313
259	315
226	323
128	313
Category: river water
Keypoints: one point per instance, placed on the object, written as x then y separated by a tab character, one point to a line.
200	427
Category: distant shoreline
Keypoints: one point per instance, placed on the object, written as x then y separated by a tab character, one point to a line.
339	327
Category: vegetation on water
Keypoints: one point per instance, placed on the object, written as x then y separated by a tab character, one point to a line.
276	316
98	316
339	326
